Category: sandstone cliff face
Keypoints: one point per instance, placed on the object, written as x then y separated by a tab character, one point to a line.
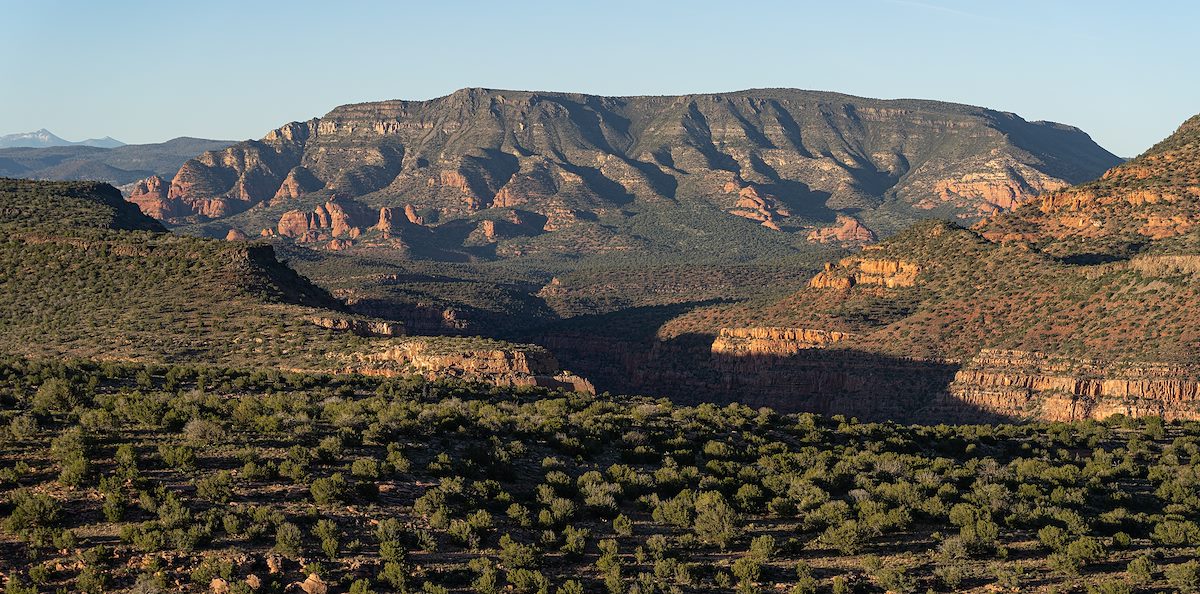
764	155
225	182
333	219
299	181
150	195
1026	385
861	270
497	363
773	342
360	327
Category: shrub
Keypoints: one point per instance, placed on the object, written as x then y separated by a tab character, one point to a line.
513	554
217	488
1174	533
716	521
622	525
528	581
329	490
1184	577
203	432
327	532
288	539
1141	570
32	512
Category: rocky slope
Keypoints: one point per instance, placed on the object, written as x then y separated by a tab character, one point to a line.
511	173
1152	197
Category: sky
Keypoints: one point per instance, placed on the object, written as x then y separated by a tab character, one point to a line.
148	71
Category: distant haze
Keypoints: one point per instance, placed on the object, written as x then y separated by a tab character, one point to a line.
147	71
44	138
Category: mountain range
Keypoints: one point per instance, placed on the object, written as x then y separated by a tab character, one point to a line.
490	174
119	165
44	138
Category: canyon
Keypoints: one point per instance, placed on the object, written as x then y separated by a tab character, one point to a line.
610	249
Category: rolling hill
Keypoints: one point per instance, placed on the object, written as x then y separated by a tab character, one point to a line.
85	275
118	165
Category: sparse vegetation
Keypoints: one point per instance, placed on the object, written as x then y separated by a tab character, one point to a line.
401	483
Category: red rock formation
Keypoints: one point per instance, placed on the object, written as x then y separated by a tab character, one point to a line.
150	195
360	327
847	230
994	190
235	235
752	205
775	342
506	198
497	363
336	218
410	213
488	230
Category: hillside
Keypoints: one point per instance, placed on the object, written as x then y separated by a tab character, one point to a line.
1024	317
1153	197
83	274
512	174
69	206
119	165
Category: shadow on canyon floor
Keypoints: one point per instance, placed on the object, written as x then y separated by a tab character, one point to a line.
869	386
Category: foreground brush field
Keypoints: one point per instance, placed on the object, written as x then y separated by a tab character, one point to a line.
197	479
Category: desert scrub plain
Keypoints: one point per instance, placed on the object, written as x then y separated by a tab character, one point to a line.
118	477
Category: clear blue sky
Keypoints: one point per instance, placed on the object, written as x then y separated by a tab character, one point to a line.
147	71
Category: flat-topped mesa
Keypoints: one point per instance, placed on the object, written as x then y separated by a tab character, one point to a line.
772	341
471	359
764	155
1031	385
860	270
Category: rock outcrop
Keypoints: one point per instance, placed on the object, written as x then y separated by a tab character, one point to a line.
861	270
341	218
471	359
1029	385
150	195
299	181
846	230
1151	197
361	327
772	342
